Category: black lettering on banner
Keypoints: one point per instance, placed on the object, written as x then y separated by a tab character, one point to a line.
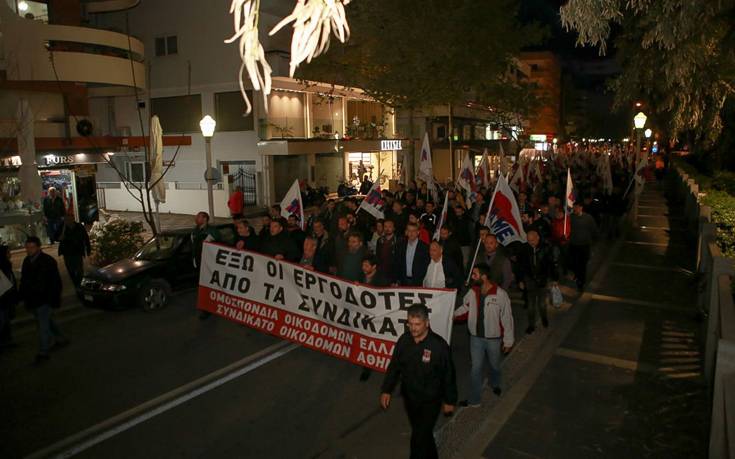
298	277
367	299
268	288
387	298
221	257
424	297
234	259
356	320
247	263
322	281
316	304
330	311
404	322
350	296
280	271
272	269
243	286
309	280
344	318
215	278
336	292
303	306
367	323
229	281
388	327
280	296
405	299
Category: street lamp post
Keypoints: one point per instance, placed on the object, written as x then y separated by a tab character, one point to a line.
640	121
207	125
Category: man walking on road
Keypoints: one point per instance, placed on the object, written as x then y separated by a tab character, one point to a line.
490	323
74	246
40	289
538	266
584	233
423	362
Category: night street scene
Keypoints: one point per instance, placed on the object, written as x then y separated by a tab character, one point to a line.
357	229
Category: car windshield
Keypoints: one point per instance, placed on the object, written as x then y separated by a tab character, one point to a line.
158	248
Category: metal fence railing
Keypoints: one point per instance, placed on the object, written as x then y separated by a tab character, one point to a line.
716	304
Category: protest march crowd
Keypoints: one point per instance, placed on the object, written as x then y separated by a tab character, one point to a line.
525	227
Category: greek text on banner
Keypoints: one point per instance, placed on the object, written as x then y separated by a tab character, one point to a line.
343	319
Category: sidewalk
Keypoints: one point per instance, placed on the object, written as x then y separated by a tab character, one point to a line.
621	374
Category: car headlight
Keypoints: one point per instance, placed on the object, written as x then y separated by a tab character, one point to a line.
112	287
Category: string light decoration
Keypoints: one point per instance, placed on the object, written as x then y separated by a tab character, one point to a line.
313	24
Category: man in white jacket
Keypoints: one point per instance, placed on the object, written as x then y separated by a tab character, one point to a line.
489	316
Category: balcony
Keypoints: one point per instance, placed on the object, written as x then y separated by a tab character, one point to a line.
35	51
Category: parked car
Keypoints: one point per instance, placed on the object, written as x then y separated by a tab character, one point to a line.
146	279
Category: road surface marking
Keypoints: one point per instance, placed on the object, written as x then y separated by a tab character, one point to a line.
653	268
115	425
650	304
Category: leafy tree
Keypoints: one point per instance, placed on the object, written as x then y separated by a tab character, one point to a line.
417	53
676	55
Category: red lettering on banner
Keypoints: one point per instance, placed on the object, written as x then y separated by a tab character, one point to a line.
309	332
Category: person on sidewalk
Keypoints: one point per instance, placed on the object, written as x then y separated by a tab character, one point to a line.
74	245
538	272
422	361
236	203
487	309
8	297
583	235
40	289
53	214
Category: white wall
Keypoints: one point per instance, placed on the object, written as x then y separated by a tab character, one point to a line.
177	201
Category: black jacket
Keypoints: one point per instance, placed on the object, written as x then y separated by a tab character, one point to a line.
537	266
378	280
453	277
387	253
420	263
74	241
280	244
40	282
453	251
425	369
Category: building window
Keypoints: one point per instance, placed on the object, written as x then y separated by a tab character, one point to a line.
178	113
230	114
167	45
136	171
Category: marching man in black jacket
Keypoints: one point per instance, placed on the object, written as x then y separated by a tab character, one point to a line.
40	289
538	272
423	362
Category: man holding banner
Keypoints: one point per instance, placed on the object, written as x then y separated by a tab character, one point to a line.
422	361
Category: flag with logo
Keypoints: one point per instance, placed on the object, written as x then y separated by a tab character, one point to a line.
373	202
503	216
466	180
442	217
293	205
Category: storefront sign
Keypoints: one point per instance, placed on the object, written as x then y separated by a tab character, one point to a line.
57	160
390	145
343	319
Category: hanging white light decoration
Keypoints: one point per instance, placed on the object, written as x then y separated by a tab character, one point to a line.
314	21
245	15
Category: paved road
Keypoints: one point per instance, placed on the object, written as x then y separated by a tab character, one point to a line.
299	404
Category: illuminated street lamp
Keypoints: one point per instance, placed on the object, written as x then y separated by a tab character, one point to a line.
639	121
648	133
207	125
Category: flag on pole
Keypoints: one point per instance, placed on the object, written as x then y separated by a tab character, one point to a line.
501	156
568	200
466	180
293	205
442	217
426	170
516	181
483	171
373	202
640	174
503	216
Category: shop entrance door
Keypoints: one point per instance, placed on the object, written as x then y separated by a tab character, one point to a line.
85	185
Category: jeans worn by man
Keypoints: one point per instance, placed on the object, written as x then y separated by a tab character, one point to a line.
481	349
49	334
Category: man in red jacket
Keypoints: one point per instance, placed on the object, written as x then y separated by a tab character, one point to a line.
236	203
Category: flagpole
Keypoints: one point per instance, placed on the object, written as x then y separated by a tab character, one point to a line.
479	241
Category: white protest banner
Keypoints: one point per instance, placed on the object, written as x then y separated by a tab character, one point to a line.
350	321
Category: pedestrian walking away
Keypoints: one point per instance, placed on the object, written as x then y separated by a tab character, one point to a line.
74	246
422	362
487	309
538	272
40	289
